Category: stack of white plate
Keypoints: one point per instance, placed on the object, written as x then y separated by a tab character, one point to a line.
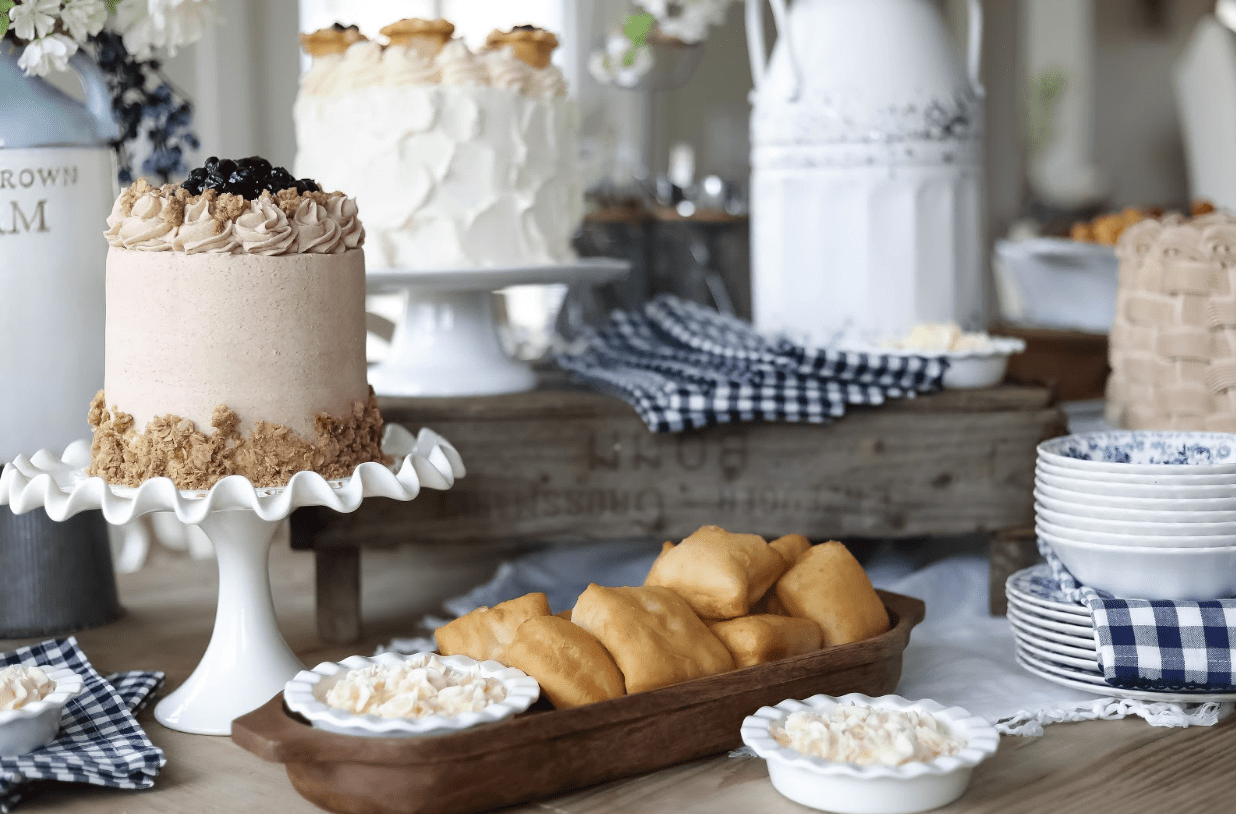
1054	639
1141	514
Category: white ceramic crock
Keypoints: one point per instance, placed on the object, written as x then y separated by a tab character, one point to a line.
37	724
866	186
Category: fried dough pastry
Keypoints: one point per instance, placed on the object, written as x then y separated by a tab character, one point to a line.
790	547
653	635
572	667
720	574
485	632
756	639
829	587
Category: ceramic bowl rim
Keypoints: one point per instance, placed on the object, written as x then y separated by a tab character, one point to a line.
1078	508
1181	477
1045	451
1138	491
521	692
1155	503
1000	346
981	737
1156	528
69	685
1124	550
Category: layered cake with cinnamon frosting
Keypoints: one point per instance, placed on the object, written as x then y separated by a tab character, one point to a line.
235	335
459	158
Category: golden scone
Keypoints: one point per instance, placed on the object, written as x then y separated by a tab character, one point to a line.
764	637
485	632
572	667
719	574
564	614
653	635
829	587
790	547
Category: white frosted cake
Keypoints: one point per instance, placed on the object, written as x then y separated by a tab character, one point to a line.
458	159
235	334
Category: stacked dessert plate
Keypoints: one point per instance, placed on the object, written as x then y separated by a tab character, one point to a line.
1141	514
1054	639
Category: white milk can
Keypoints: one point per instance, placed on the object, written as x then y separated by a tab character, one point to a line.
866	179
57	184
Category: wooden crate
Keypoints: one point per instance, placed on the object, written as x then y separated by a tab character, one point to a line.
1072	363
568	466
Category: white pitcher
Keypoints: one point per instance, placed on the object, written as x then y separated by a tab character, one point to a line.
866	156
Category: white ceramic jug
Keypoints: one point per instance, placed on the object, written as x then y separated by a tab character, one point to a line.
866	187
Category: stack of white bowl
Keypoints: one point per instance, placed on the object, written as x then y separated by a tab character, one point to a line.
1141	514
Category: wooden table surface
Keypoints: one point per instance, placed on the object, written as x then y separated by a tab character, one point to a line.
1119	766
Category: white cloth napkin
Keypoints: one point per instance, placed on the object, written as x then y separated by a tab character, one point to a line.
959	656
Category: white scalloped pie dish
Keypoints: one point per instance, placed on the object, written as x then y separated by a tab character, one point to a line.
305	695
37	724
848	788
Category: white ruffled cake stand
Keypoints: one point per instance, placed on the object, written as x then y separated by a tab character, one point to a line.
247	661
446	342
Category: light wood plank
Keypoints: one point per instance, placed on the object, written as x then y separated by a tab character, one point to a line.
564	467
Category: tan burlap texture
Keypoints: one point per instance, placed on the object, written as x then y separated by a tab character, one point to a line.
1173	341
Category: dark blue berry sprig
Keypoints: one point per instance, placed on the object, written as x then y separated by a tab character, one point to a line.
145	105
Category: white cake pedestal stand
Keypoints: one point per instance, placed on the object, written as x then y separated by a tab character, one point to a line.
247	660
446	343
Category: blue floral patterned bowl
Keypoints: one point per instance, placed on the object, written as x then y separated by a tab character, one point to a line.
1149	452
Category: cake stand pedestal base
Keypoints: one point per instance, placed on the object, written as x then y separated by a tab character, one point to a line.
247	661
446	343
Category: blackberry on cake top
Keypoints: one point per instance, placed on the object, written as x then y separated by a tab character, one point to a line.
246	178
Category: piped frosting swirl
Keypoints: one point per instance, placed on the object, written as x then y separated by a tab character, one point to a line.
366	63
148	218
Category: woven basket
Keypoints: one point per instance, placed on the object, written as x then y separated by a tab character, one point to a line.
1173	341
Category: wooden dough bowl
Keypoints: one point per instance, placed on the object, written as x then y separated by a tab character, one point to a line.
545	752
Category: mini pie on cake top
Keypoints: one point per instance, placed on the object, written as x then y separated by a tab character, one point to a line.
534	46
333	40
720	574
426	36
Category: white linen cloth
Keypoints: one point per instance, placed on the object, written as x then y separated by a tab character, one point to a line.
959	655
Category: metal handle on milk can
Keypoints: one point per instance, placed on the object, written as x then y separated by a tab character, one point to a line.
755	43
98	96
974	47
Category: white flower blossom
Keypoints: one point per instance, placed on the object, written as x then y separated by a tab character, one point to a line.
610	66
687	20
84	18
33	19
151	25
47	54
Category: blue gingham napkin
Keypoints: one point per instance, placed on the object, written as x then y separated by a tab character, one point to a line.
684	366
100	741
1152	644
